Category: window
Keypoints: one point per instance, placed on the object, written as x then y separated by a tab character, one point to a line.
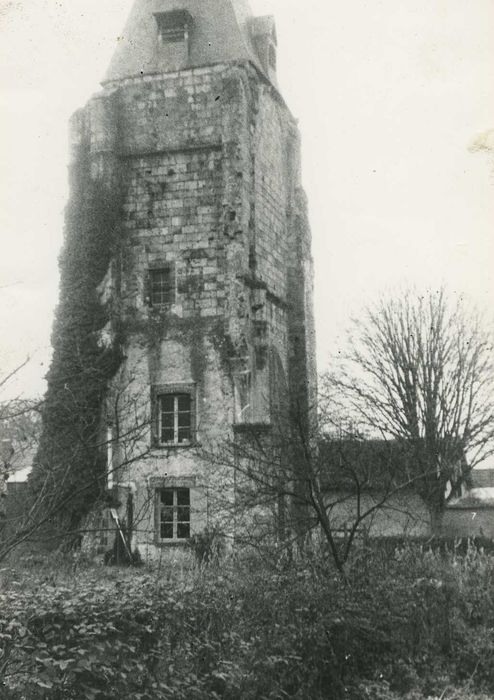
104	529
175	419
161	286
180	508
173	26
174	513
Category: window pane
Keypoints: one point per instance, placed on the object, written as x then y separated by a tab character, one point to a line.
184	402
162	286
166	531
167	497
167	435
184	435
183	516
167	403
167	420
183	497
184	420
183	531
167	514
160	277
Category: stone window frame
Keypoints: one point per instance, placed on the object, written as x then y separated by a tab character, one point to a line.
174	514
158	266
172	483
158	391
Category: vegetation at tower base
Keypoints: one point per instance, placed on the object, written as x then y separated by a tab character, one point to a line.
411	624
69	469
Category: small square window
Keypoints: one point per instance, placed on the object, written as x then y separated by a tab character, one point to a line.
173	26
161	287
174	514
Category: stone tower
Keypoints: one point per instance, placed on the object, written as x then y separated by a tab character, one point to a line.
209	285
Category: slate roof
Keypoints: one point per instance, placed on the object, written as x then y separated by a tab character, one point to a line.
220	33
377	464
482	478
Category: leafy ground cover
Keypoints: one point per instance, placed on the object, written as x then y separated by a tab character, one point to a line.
411	625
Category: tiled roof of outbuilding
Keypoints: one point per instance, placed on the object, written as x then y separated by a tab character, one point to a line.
482	478
375	465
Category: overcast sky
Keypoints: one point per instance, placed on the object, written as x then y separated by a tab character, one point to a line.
390	95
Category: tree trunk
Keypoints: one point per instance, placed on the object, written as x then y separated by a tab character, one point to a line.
436	521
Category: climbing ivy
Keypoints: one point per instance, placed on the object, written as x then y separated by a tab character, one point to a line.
69	467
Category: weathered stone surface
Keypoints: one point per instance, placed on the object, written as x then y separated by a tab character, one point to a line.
208	159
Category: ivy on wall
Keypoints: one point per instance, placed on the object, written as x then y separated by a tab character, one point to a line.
69	469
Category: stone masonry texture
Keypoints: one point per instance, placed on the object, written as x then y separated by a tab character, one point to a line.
208	160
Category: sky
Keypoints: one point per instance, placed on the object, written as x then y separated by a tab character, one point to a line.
395	102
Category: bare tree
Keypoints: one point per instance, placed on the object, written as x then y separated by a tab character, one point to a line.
39	511
19	423
419	370
305	493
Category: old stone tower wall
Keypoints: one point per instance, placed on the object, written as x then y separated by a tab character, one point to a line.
207	161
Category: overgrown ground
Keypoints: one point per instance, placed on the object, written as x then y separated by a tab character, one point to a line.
407	625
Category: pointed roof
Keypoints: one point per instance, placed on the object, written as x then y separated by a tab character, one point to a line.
220	33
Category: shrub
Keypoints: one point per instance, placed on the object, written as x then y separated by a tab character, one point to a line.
409	625
208	546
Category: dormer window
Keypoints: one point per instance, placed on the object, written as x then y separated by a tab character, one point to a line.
174	29
173	26
263	34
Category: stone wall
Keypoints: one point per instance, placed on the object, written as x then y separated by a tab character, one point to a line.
402	514
469	521
406	515
208	161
